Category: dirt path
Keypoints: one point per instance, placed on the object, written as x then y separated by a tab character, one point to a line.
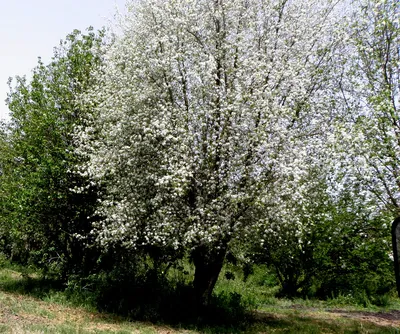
385	319
389	318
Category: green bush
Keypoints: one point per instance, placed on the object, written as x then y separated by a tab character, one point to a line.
344	251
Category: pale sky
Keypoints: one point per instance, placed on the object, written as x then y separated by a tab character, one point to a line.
32	28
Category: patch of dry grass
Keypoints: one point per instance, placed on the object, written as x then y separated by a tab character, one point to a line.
24	314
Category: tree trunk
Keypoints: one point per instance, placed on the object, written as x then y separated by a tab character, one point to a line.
208	264
396	251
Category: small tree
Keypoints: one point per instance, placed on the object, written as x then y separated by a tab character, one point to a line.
205	114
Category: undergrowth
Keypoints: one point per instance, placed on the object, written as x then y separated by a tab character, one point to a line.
169	299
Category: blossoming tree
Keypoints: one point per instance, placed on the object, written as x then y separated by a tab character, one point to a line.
371	131
378	42
370	128
204	120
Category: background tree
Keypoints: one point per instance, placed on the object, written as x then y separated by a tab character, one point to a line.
371	129
39	212
206	115
341	246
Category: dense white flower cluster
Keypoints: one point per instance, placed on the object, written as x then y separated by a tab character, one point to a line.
208	117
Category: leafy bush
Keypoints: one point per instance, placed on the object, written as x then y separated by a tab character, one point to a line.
341	249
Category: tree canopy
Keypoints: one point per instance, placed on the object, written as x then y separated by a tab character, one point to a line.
208	116
40	213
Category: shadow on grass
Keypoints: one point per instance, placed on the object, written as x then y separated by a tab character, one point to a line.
37	287
164	304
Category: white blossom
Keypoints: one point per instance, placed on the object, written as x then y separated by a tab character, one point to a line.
208	117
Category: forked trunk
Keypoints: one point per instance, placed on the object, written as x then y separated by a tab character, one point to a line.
208	264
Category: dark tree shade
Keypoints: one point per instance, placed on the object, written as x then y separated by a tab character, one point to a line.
396	251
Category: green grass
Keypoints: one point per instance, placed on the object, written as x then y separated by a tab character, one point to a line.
29	304
261	288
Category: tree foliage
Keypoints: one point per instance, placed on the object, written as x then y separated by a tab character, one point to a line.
40	214
371	130
342	247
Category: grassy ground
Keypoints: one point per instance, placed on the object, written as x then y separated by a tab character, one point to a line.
29	307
